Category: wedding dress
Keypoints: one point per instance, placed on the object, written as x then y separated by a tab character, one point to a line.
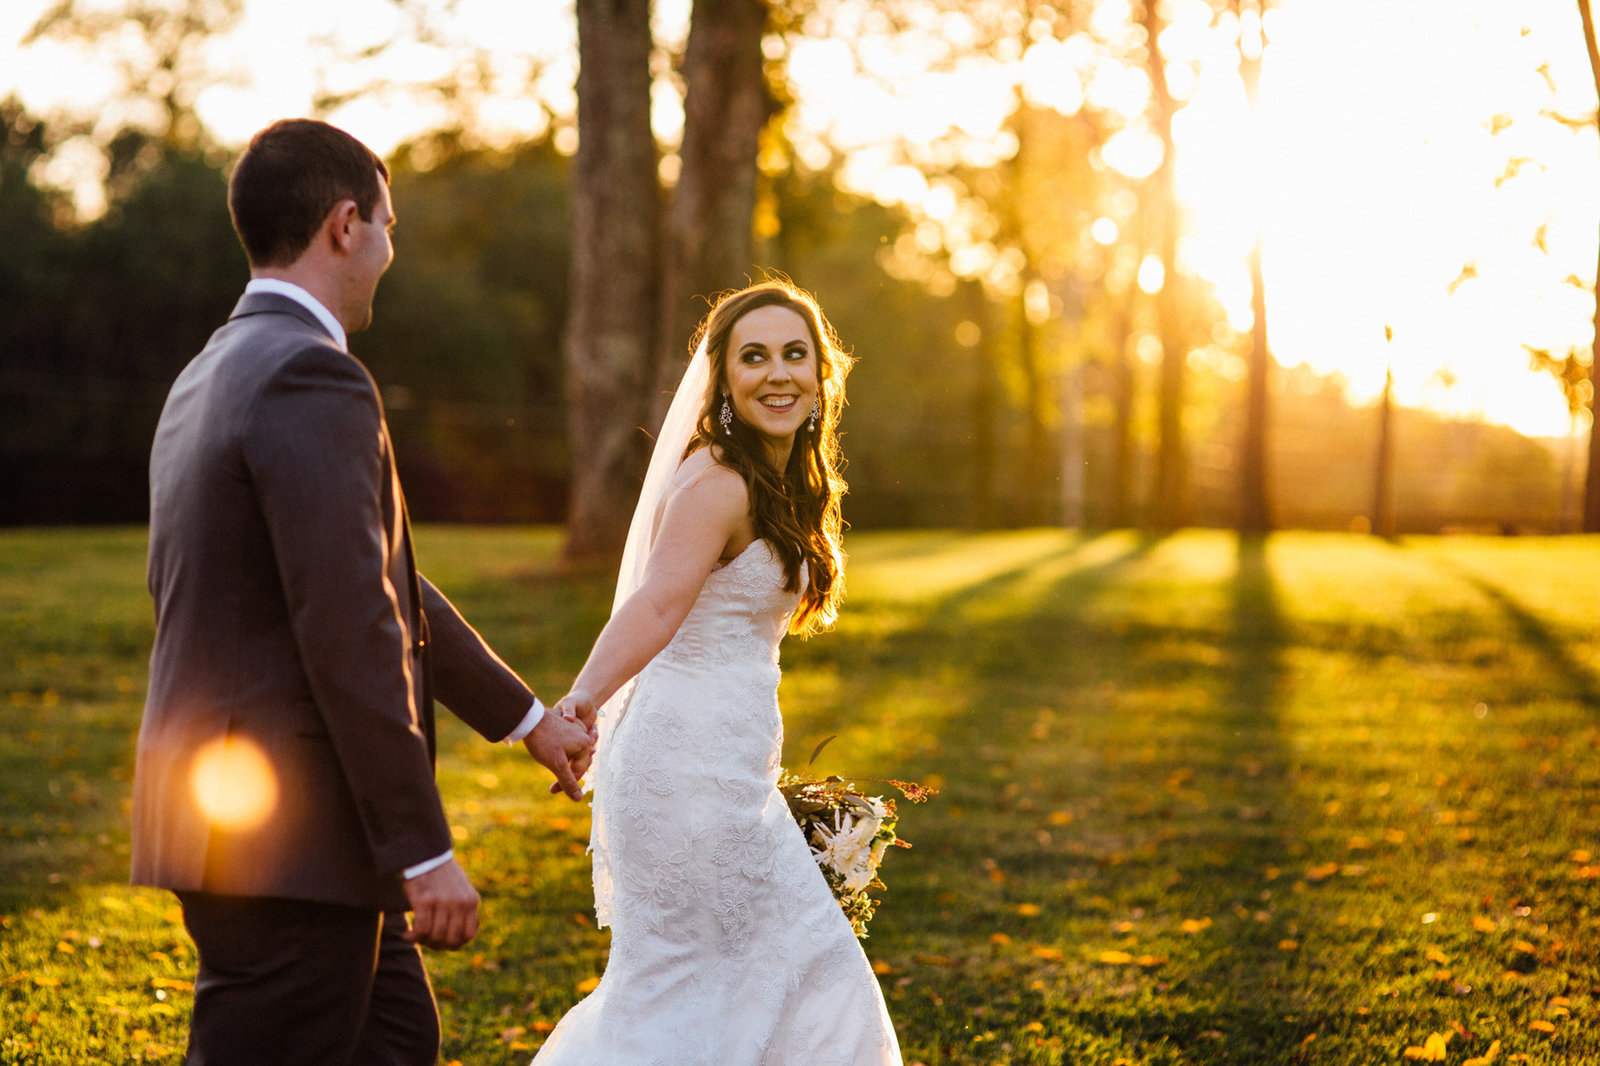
728	948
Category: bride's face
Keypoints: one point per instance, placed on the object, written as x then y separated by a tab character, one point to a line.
771	369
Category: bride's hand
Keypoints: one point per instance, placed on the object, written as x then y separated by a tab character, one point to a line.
578	704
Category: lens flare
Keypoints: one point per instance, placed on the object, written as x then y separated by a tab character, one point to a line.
234	783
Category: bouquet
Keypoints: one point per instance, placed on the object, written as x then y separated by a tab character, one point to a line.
849	833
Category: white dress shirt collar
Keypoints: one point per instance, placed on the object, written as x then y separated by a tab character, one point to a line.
304	299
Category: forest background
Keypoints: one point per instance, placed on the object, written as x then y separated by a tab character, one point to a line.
1035	352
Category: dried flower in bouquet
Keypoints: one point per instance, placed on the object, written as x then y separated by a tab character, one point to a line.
849	833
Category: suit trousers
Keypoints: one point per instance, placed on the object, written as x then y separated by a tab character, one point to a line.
296	982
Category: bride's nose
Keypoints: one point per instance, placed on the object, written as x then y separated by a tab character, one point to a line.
779	370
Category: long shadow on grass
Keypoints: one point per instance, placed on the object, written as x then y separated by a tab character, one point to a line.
1084	830
1539	636
1183	832
1225	992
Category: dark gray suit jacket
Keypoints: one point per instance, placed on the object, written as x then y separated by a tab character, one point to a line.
289	613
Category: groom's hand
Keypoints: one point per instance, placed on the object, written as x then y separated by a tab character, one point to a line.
563	746
444	908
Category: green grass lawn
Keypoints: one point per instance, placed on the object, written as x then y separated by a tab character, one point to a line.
1203	802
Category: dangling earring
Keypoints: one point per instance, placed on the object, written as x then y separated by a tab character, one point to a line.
816	409
726	416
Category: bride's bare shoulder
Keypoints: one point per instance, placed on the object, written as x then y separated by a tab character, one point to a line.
704	467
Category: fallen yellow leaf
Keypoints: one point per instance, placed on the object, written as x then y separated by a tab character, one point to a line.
1029	910
588	985
1487	1057
1115	958
1432	1050
1195	925
1540	1025
1483	924
1288	945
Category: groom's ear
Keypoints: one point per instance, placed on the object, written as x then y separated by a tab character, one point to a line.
338	228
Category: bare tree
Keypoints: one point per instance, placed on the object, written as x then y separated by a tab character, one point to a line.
1591	490
1167	500
636	272
611	333
1383	520
1255	515
707	244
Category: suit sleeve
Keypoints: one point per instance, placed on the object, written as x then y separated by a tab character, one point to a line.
468	677
317	453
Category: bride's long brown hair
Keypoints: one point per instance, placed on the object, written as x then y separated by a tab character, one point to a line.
796	509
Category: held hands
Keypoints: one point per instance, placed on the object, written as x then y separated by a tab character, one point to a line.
444	906
563	742
577	704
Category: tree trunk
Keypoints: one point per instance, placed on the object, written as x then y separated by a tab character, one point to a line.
707	244
1383	523
1254	509
1591	488
1037	461
1120	510
1124	383
984	404
1167	503
611	333
1070	391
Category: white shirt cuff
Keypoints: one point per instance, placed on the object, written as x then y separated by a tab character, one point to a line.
534	716
432	864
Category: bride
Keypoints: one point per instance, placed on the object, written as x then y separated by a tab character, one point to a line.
727	945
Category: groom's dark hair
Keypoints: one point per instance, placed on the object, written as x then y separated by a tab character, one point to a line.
287	181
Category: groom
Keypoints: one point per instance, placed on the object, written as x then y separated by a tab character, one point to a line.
284	785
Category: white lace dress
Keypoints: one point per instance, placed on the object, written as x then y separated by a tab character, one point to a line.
728	948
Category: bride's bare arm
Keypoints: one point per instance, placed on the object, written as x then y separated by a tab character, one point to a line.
701	520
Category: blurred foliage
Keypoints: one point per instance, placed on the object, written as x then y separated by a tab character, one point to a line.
100	318
466	334
466	343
